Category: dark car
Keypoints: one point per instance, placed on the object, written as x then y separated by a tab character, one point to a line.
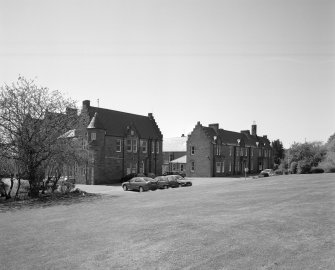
173	180
175	173
161	182
183	182
166	181
140	184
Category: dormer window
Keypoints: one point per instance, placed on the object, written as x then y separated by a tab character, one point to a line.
93	136
132	132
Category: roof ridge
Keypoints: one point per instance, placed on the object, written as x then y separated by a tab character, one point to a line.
98	108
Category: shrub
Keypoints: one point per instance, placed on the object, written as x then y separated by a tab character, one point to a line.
278	171
303	167
294	167
151	175
65	187
317	170
332	170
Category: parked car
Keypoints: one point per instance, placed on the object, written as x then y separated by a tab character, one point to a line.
267	172
183	182
132	175
162	182
140	184
175	173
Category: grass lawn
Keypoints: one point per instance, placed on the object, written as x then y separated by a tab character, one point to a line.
283	222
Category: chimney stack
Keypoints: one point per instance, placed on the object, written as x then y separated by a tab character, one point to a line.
86	104
214	126
254	129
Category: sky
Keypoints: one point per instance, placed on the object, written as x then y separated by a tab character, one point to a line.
230	62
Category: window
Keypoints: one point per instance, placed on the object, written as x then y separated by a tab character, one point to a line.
170	157
246	152
142	167
157	147
252	152
222	170
129	146
118	145
218	150
181	167
93	136
230	150
241	152
230	166
134	168
144	146
135	146
260	152
152	147
218	167
237	151
252	165
192	166
192	150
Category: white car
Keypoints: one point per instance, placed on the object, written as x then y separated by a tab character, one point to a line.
270	172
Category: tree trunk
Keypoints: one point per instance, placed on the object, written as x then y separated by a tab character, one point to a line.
18	188
8	196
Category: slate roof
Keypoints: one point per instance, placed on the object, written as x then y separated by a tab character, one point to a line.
115	123
175	144
231	137
179	160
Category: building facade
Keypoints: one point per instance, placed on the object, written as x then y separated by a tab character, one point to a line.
174	152
215	152
117	144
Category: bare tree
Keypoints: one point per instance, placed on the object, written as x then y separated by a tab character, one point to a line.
31	120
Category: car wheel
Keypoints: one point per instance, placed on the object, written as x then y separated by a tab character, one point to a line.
140	189
124	187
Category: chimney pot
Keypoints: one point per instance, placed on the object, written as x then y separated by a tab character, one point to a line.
86	103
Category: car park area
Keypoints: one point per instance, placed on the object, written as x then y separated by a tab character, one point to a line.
282	222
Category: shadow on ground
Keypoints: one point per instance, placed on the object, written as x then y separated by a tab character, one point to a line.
49	200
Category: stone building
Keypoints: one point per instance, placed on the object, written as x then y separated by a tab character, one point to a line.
212	151
117	144
174	154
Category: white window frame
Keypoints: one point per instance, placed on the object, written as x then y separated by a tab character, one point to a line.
129	145
192	150
157	147
218	167
134	146
118	145
192	166
144	146
218	149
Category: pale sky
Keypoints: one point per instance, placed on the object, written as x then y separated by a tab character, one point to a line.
230	62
